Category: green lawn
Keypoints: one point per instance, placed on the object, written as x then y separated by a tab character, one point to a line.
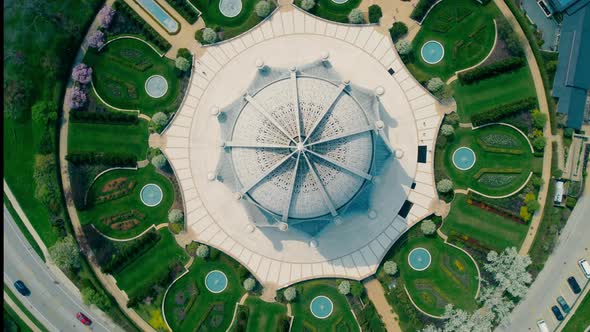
264	316
206	311
93	137
341	318
464	28
231	26
450	278
152	215
581	318
141	272
120	71
494	172
488	93
488	228
332	11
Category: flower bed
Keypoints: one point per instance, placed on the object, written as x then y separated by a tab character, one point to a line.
114	184
124	191
485	170
500	140
496	180
123	221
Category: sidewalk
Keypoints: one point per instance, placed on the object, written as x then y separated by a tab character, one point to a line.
376	294
544	108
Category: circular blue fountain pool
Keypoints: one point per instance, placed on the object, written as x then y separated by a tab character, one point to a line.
464	158
419	259
321	307
432	52
216	281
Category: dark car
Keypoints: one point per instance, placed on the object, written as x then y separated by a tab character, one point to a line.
85	320
574	285
557	313
564	306
22	288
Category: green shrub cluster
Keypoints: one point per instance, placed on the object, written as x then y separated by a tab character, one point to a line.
47	189
185	10
375	13
129	253
500	111
102	158
369	319
398	30
103	117
147	30
494	69
421	9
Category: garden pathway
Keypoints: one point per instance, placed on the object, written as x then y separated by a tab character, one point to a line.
376	294
185	38
395	11
544	108
106	280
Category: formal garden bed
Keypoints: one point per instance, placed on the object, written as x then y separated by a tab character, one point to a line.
229	27
465	29
121	69
341	318
451	277
119	212
330	10
190	306
503	159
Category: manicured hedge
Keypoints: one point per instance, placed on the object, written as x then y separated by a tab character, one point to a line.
421	9
494	114
494	69
147	30
103	117
138	247
185	10
106	158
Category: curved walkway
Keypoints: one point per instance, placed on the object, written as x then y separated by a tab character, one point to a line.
107	281
544	108
152	226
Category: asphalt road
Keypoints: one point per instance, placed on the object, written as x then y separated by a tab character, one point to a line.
52	304
574	244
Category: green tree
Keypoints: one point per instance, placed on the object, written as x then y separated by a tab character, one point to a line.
539	119
375	13
160	119
43	111
262	8
65	254
398	30
182	64
539	143
98	298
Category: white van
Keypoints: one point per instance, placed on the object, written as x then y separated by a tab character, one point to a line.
542	326
585	266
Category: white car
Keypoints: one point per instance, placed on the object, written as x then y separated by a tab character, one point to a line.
585	266
542	326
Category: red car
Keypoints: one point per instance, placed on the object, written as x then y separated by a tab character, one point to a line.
83	319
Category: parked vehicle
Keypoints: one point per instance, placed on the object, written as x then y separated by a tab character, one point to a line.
585	266
83	319
542	326
557	313
564	306
574	285
22	288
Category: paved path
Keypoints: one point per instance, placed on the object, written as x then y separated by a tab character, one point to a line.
51	302
376	294
551	282
544	108
107	281
395	11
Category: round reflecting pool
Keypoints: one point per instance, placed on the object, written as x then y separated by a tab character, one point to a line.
340	1
464	158
151	195
156	86
419	259
230	8
432	52
321	307
216	281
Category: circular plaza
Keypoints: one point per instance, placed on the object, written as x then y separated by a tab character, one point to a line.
297	164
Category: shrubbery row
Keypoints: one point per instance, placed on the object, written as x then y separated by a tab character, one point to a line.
185	10
421	9
103	117
148	31
119	261
106	158
501	111
496	68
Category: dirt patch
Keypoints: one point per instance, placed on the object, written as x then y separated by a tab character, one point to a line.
500	52
125	224
114	184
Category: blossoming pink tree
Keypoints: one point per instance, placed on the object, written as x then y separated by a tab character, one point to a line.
78	97
82	74
105	16
96	40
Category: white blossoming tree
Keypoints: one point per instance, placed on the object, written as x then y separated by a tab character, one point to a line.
290	294
509	271
344	287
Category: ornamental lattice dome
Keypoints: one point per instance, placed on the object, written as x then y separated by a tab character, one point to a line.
300	143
